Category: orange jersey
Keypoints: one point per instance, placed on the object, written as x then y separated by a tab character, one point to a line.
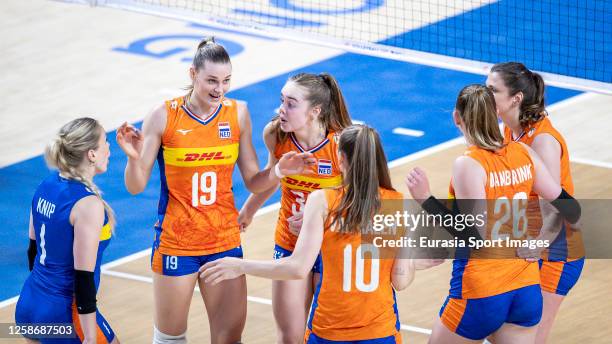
296	188
354	299
196	160
510	175
569	239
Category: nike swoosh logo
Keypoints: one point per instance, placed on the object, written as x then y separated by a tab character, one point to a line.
184	131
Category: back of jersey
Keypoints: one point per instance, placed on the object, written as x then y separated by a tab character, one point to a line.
51	207
495	270
355	299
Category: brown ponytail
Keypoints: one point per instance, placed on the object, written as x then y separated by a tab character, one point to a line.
367	171
337	116
517	78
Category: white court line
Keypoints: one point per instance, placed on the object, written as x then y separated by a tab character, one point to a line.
425	152
128	276
592	162
570	101
254	299
149	280
126	259
9	302
267	209
415	329
408	132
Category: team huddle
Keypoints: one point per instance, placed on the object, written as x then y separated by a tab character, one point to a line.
333	177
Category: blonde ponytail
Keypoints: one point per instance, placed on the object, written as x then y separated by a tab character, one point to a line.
67	151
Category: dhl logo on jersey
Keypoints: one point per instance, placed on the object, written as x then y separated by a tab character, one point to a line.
193	157
298	182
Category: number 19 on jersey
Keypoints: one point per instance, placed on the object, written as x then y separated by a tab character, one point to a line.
203	188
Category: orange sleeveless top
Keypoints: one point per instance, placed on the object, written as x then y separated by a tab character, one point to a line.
296	188
196	159
355	299
510	175
568	245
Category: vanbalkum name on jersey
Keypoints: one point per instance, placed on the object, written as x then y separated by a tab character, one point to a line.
510	177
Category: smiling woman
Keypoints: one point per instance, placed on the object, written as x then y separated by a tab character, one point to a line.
197	139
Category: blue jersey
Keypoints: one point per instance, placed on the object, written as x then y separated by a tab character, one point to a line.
47	295
51	207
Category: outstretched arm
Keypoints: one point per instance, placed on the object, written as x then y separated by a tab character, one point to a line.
295	266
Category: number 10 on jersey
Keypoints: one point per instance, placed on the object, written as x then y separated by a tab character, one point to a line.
360	282
203	188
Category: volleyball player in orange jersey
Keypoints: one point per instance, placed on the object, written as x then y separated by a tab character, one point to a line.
311	115
355	298
491	296
519	95
197	139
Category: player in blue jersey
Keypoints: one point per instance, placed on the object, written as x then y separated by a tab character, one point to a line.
70	226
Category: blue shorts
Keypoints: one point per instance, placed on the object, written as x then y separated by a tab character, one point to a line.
186	265
314	339
36	306
560	277
280	252
478	318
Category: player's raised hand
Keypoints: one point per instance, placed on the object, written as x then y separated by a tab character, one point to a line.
418	184
130	140
296	163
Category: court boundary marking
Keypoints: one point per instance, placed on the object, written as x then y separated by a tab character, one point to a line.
254	299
